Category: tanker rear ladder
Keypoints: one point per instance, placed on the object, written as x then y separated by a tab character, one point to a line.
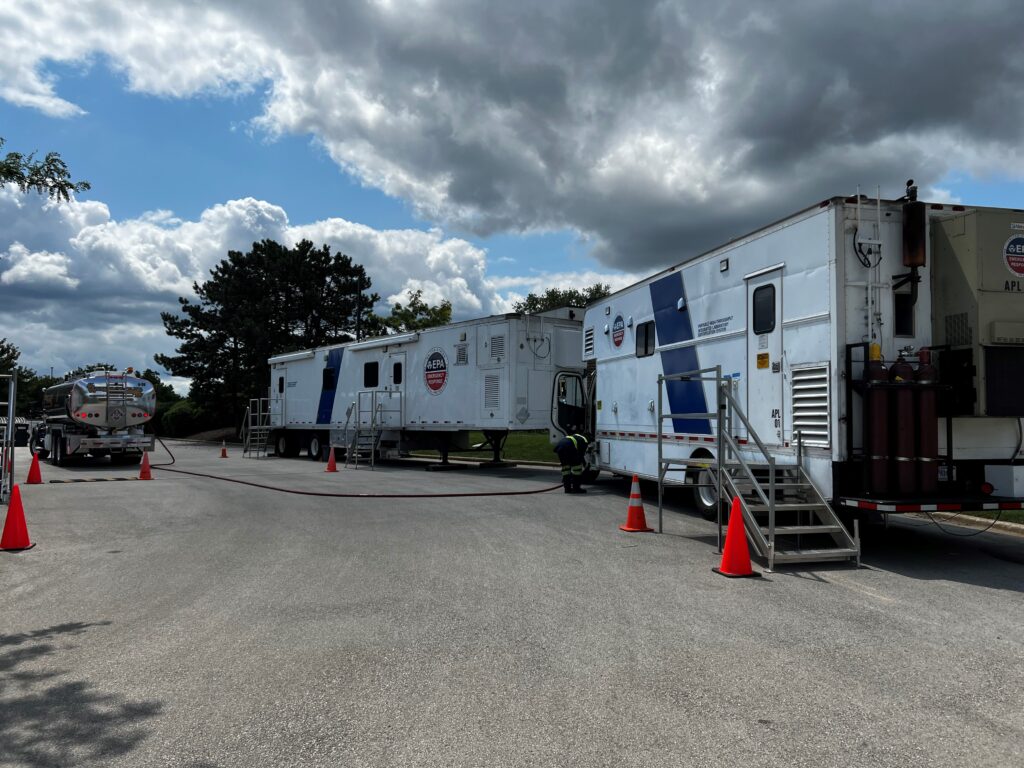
765	489
7	438
256	428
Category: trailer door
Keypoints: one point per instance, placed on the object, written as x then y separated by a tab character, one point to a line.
391	399
764	355
278	382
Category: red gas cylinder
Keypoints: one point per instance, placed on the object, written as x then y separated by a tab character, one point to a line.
904	435
876	423
927	376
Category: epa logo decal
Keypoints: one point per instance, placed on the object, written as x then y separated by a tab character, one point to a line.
435	371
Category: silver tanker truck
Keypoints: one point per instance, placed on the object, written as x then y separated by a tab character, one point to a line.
100	413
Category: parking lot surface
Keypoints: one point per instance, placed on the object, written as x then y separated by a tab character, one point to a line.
195	622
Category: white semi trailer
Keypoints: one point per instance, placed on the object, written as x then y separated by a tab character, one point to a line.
859	354
424	390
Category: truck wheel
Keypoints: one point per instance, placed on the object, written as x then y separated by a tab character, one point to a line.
590	474
316	448
283	446
705	498
60	449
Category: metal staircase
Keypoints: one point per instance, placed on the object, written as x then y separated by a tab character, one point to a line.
787	519
256	428
7	437
363	429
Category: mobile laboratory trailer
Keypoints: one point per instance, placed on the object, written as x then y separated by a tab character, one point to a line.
800	340
385	396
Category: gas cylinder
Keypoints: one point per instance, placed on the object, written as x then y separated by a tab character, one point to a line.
876	422
904	435
926	377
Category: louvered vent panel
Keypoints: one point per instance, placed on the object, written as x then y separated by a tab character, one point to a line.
497	346
811	405
958	330
492	392
588	343
462	354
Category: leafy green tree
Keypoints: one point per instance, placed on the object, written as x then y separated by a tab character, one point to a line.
417	315
9	355
553	298
49	175
270	300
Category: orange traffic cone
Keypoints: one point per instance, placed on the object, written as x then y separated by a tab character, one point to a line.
331	466
15	535
735	556
223	449
636	522
145	473
35	477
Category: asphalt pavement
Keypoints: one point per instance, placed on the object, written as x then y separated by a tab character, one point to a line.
194	622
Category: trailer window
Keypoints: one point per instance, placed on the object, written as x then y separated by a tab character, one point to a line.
764	309
280	385
903	314
396	373
330	379
371	374
645	339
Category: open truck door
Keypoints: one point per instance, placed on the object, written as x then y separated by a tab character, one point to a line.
571	411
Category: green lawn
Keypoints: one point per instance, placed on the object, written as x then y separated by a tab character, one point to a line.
1005	515
520	446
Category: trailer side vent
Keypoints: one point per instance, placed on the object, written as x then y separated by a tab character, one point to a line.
811	405
588	343
958	330
497	347
492	392
462	354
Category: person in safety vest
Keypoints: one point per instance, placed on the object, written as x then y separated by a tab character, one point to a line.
571	450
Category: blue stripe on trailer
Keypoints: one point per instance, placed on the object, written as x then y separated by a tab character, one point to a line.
672	326
326	407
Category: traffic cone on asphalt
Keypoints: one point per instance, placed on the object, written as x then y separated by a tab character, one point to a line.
331	465
636	522
736	555
145	473
35	477
223	449
15	535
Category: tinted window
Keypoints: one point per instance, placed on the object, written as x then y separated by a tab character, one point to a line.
764	309
280	384
396	373
645	339
903	315
371	374
330	379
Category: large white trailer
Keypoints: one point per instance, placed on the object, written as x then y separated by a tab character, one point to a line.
389	395
781	324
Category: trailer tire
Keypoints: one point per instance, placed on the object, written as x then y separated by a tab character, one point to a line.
590	474
125	459
704	499
284	446
316	447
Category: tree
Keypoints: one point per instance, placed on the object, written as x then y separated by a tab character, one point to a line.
49	175
553	298
9	355
417	315
268	301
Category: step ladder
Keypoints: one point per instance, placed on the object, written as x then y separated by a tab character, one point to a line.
9	383
256	428
786	517
362	438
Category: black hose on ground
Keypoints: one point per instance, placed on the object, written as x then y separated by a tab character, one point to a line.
328	494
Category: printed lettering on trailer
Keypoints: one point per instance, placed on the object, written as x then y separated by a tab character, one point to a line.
435	371
618	331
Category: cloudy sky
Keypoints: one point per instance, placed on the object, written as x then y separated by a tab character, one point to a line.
476	150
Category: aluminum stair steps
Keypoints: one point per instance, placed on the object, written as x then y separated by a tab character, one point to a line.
801	530
795	506
815	555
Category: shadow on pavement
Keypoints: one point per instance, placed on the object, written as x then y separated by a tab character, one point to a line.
48	720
